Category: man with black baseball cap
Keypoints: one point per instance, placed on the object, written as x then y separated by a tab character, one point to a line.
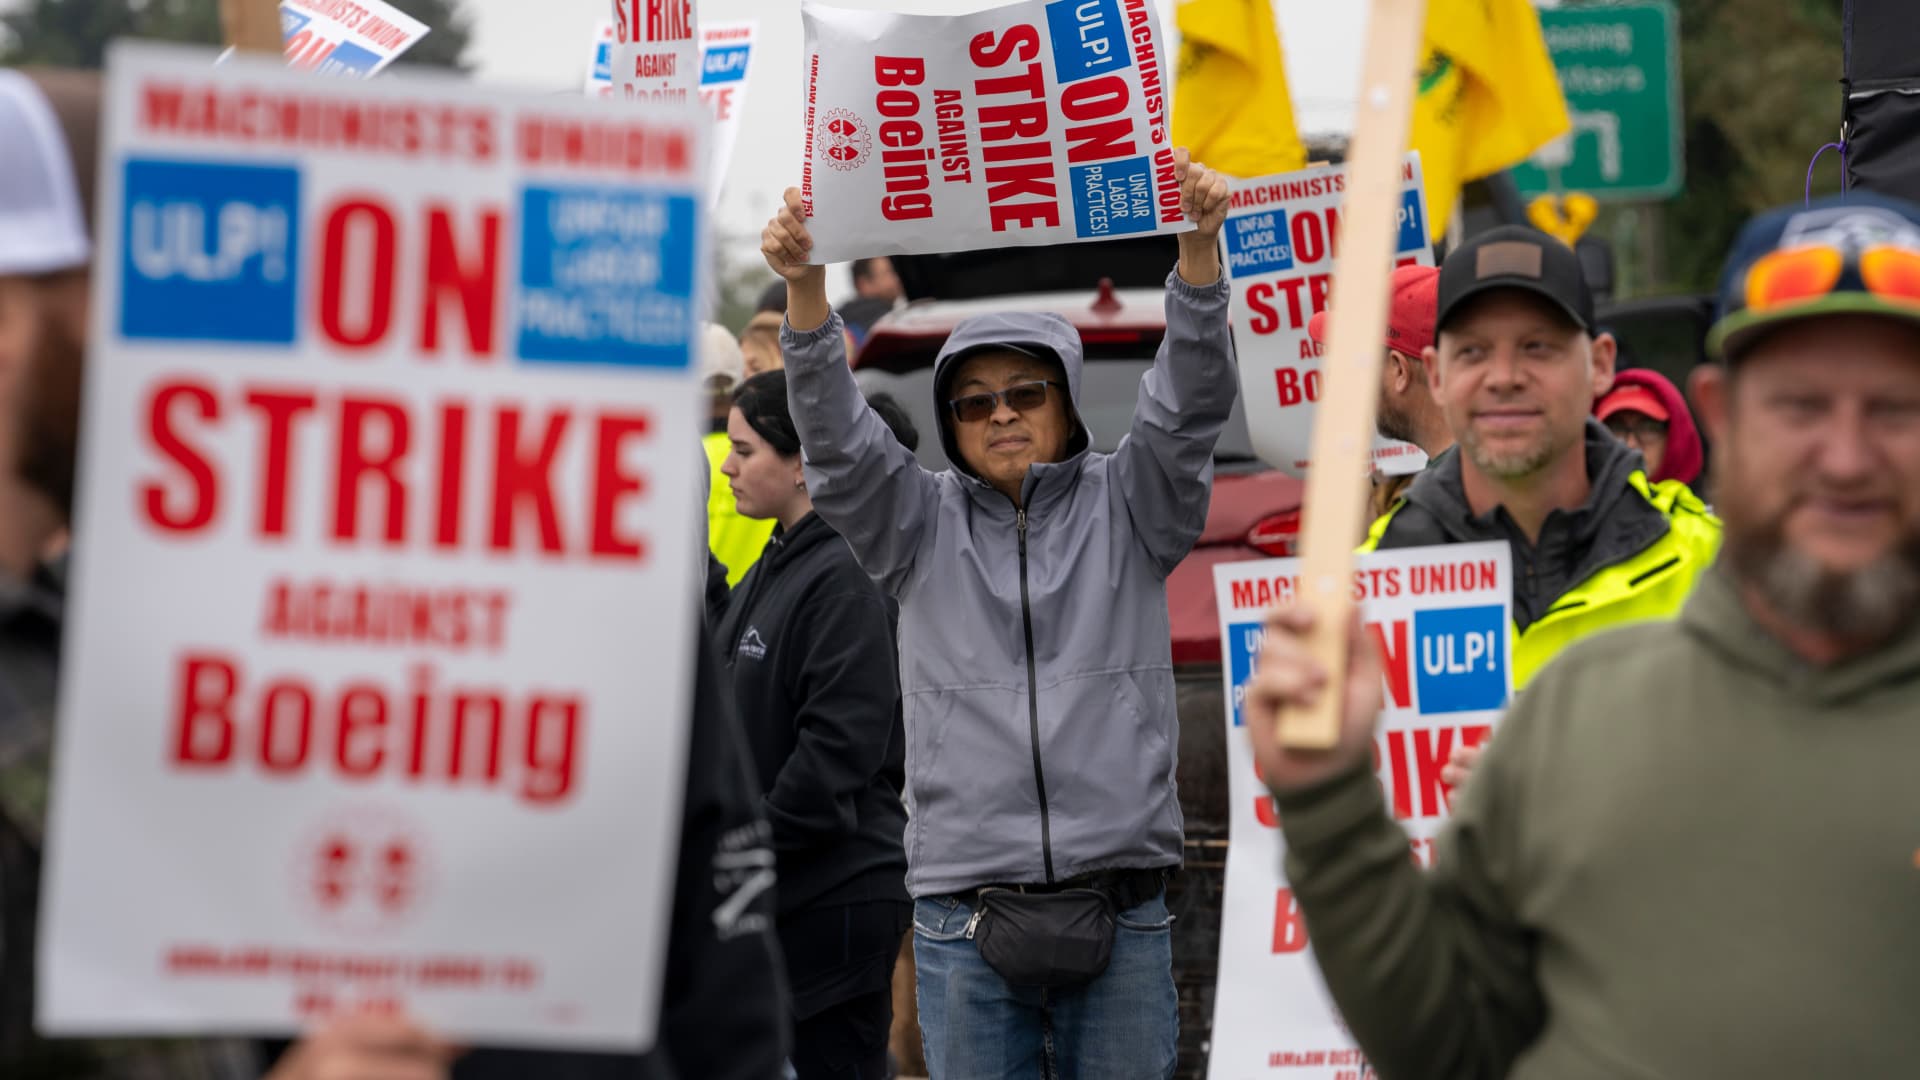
1515	368
1693	850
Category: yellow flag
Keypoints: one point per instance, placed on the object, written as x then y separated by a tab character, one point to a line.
1489	95
1230	100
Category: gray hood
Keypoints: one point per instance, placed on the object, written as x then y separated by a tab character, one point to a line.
1038	333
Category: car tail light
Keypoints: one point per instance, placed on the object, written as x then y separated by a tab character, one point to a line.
1114	337
1275	534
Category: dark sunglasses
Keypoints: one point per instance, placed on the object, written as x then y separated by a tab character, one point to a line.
1025	397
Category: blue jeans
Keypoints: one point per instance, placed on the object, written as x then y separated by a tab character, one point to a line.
1122	1026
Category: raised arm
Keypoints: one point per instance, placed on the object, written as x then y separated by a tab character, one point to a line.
863	482
1165	464
1432	970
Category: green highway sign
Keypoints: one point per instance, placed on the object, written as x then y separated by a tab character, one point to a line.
1619	67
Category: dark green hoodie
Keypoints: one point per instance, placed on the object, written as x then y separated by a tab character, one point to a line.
1688	854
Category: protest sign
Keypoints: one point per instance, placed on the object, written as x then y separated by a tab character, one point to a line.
1034	123
346	37
377	670
600	65
1281	234
1440	617
655	54
726	55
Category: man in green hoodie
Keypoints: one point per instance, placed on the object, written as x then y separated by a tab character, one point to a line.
1694	850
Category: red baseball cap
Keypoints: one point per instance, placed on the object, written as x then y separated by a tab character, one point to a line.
1632	398
1415	307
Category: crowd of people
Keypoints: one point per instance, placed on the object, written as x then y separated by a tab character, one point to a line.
942	704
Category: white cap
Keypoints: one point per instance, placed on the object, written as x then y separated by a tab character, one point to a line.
720	355
42	228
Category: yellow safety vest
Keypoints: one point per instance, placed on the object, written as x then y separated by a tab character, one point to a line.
1650	586
736	541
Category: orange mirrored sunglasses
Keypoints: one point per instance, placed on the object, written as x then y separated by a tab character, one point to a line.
1796	275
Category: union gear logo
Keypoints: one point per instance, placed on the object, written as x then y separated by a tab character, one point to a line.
752	646
845	142
362	869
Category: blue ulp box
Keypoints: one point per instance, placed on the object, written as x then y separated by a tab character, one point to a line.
1088	39
1460	659
1113	198
210	252
1258	243
606	276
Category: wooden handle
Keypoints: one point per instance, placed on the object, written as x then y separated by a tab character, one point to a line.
1350	373
252	25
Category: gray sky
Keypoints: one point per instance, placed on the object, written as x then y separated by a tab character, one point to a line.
543	44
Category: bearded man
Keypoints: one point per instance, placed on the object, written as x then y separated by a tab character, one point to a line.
1694	848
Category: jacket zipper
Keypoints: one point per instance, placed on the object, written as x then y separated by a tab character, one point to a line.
1033	699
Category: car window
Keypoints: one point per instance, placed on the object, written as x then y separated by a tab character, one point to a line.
1108	390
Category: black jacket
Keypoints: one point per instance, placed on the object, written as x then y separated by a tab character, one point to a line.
1615	524
809	640
724	1002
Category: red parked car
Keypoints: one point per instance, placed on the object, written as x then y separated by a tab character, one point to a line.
1255	513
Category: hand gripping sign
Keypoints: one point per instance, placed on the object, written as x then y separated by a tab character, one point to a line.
1041	122
380	638
350	37
1282	233
1440	618
655	50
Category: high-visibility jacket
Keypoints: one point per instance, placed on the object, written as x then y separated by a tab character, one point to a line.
736	541
1648	585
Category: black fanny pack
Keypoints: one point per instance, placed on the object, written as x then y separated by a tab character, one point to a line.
1059	939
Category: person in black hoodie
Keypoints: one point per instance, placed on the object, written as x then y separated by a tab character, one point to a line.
809	639
720	1005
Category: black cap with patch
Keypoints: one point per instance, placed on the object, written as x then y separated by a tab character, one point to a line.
1516	257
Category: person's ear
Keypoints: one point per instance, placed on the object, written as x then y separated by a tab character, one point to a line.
1711	388
1606	353
1431	356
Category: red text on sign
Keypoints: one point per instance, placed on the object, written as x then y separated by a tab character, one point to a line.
1409	763
903	151
397	473
284	727
652	20
1303	297
1289	923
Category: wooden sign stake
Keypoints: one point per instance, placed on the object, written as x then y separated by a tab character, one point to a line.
252	25
1350	374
